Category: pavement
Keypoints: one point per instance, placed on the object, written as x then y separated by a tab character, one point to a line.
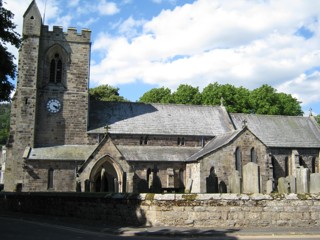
163	231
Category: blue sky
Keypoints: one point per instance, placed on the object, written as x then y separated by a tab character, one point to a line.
141	44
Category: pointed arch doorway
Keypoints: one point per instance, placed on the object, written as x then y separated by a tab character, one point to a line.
106	176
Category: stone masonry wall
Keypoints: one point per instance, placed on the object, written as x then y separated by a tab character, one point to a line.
197	210
223	161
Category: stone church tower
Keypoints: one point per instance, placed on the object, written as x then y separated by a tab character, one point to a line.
50	106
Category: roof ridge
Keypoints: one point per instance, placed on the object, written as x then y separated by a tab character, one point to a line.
269	115
160	104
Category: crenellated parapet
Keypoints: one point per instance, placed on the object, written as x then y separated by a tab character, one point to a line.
72	35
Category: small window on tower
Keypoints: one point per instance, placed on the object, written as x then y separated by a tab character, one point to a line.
56	69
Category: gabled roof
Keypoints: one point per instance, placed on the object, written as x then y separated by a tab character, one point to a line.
281	131
215	144
157	153
158	119
33	7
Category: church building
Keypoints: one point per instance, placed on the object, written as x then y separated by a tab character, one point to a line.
61	141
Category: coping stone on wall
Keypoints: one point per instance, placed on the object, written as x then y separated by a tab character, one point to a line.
230	196
258	197
291	196
165	197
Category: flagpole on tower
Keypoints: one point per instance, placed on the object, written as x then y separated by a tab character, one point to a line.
44	12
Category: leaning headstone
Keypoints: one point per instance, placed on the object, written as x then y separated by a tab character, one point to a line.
269	188
283	185
251	178
234	182
189	185
292	184
303	178
315	183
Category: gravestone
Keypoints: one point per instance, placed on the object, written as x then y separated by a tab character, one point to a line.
283	185
170	178
251	178
235	182
269	188
303	178
292	184
315	183
189	185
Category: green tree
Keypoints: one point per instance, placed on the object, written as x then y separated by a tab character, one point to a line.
318	119
288	105
266	100
4	122
157	95
186	94
7	66
234	99
106	93
263	100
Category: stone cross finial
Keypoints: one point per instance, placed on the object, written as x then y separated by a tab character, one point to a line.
221	102
244	123
310	112
106	127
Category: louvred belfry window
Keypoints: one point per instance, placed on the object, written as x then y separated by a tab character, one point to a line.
56	69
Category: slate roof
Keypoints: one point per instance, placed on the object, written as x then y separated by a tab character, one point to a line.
215	144
65	152
281	131
158	119
157	153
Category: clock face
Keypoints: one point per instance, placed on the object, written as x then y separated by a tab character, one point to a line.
53	105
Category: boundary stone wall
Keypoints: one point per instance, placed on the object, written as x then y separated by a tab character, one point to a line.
180	210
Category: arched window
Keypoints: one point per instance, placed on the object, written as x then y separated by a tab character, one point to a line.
238	161
50	178
56	69
253	155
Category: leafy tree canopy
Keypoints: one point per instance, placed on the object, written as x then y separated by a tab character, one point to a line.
235	99
7	66
4	123
318	119
187	94
263	100
157	95
106	93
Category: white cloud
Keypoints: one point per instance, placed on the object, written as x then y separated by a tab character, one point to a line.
130	27
73	3
304	87
107	8
245	43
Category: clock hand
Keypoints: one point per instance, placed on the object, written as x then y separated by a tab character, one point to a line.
55	106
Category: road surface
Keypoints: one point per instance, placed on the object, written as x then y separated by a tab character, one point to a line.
12	228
